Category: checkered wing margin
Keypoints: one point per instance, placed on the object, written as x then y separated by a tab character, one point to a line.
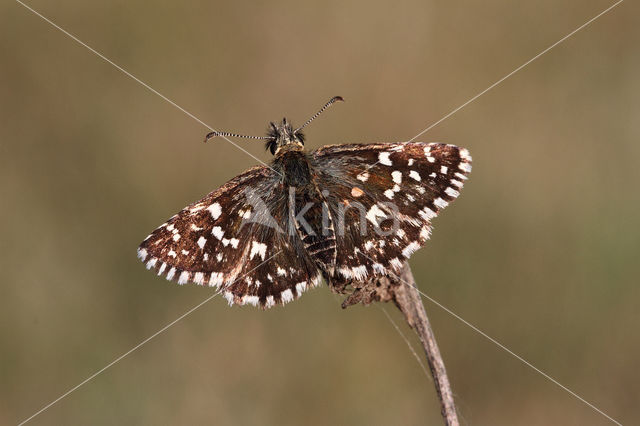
235	239
371	186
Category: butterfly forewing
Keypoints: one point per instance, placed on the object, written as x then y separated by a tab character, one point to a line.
235	239
383	197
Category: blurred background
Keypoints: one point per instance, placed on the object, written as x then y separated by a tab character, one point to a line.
540	251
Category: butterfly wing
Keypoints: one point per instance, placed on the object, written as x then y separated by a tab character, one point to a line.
383	198
235	239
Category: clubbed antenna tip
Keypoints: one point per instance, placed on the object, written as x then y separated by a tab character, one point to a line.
327	105
215	133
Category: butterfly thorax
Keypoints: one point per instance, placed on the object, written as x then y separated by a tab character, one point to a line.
293	166
309	214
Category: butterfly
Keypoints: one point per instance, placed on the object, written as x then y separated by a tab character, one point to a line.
340	213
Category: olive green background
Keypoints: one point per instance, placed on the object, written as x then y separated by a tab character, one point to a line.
540	251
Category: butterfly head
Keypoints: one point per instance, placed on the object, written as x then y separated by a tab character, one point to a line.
280	137
283	137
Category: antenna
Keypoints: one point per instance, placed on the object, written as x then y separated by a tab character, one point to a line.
327	105
213	134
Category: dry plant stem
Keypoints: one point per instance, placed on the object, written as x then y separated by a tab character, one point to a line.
407	299
403	291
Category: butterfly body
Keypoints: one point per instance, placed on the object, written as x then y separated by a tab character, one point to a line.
342	212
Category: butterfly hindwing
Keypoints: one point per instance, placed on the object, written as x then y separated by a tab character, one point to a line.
383	198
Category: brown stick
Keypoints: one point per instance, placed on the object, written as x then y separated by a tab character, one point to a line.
403	291
407	299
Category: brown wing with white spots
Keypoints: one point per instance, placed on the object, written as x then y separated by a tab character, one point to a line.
383	198
235	239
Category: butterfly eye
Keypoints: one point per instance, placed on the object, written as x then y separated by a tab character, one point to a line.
271	146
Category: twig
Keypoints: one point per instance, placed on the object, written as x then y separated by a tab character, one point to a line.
407	299
403	291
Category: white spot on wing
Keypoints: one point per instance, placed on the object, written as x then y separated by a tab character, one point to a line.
383	158
363	176
269	302
375	212
415	175
201	242
215	210
216	279
379	268
440	203
359	272
424	233
151	263
198	278
258	248
444	170
184	277
252	300
396	263
427	214
217	232
396	176
172	253
410	249
301	287
142	254
451	192
465	167
346	272
171	273
389	194
287	296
